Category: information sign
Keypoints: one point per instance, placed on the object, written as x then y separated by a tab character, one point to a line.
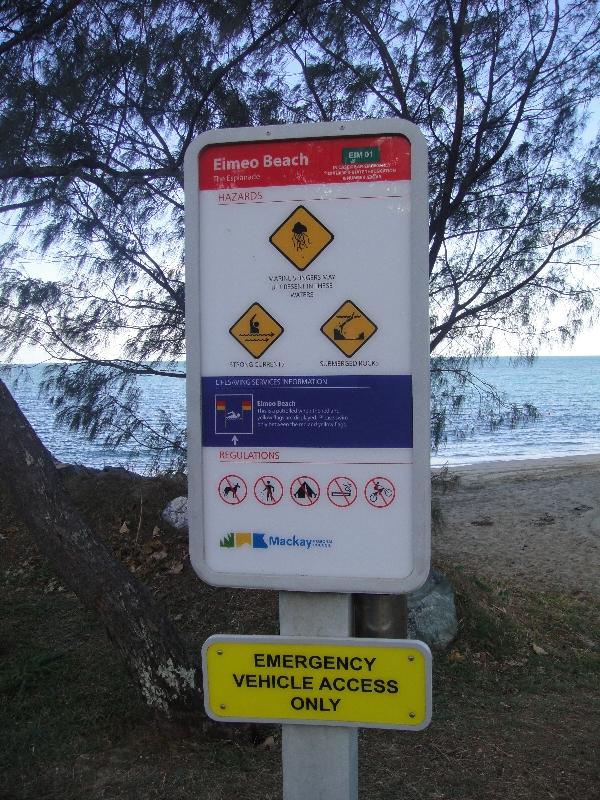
307	357
367	683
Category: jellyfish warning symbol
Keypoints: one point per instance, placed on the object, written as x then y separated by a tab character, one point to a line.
256	330
301	237
349	328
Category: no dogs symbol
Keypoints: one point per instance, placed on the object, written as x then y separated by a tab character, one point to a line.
232	490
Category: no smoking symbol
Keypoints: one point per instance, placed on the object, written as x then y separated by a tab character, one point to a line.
342	492
380	492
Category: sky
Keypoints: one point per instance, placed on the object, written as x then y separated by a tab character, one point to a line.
586	344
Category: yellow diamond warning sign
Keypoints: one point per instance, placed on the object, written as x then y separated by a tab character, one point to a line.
256	330
301	237
349	328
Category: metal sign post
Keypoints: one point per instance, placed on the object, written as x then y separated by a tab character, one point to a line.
308	381
318	761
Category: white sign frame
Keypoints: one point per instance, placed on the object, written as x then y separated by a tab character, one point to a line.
202	539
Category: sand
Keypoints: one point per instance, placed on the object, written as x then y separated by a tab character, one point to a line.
531	521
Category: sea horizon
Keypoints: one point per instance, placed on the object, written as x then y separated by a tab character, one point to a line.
564	389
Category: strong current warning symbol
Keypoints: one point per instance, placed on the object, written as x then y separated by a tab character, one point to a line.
256	330
349	328
301	238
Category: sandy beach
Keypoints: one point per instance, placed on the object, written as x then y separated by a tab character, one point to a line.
534	521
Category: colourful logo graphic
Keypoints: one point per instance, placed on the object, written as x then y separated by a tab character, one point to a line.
263	541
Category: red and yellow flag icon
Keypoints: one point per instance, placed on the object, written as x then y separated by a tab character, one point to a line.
221	405
246	405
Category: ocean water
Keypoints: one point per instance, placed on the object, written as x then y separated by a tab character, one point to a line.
565	391
73	448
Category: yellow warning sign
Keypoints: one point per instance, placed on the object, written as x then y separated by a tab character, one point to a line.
301	237
378	684
256	330
349	328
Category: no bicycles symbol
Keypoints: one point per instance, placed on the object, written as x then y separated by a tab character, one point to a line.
268	490
380	492
305	491
232	490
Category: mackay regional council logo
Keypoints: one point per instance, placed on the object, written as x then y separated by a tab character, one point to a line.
263	541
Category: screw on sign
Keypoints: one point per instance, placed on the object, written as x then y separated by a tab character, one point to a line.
342	491
304	490
232	489
268	490
380	492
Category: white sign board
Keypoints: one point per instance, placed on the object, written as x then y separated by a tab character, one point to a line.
308	357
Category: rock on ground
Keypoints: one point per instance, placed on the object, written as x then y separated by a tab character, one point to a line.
176	513
432	613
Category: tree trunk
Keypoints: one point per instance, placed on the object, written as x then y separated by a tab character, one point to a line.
151	648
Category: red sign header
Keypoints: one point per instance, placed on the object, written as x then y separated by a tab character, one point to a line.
289	162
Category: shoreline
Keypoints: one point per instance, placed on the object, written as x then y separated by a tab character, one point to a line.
499	466
533	520
508	465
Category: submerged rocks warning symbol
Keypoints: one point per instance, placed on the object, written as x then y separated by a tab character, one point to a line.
301	237
256	330
349	328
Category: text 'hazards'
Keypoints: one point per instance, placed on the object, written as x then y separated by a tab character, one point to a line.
301	237
256	330
349	328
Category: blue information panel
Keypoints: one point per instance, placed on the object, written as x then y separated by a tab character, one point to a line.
308	411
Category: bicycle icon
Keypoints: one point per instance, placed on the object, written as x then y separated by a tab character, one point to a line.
380	492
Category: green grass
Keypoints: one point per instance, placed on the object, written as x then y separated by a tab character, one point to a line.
59	683
515	642
73	727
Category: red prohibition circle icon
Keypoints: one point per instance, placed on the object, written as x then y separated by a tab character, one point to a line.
342	491
268	490
305	490
232	490
380	492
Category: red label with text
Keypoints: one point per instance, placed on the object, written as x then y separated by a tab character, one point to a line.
291	162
